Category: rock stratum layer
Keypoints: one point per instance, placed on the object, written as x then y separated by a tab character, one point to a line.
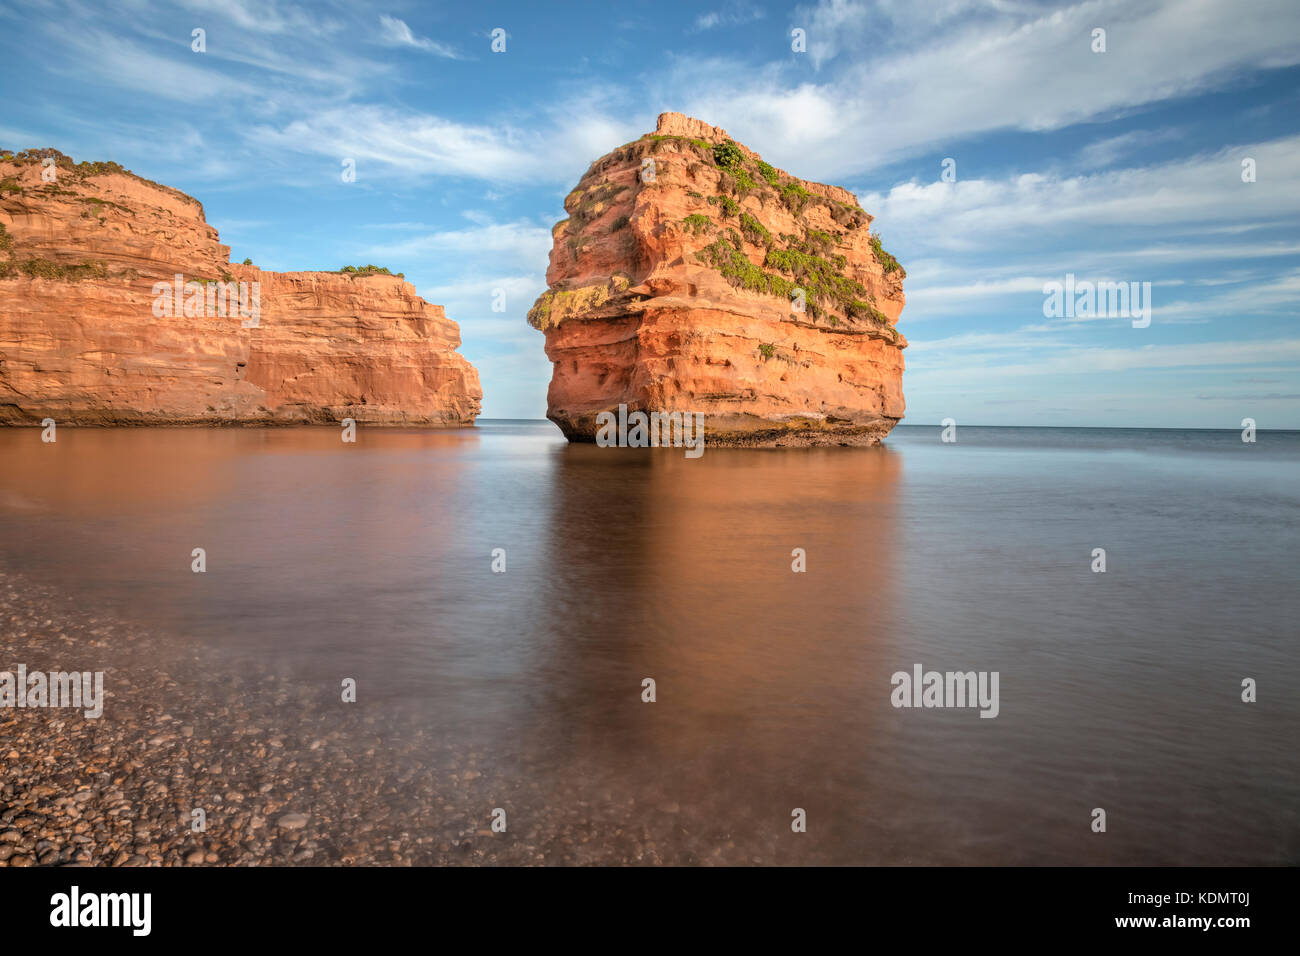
80	341
691	276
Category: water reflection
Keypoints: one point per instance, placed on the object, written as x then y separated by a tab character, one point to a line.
373	561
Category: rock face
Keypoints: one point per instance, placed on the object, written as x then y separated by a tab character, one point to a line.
85	340
691	276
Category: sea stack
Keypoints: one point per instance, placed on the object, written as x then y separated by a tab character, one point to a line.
96	328
691	276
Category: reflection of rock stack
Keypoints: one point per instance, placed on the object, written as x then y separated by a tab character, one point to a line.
772	684
81	340
692	276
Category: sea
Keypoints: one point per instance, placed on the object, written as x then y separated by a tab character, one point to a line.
722	650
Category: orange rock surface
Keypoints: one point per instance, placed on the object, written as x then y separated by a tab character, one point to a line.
80	341
675	285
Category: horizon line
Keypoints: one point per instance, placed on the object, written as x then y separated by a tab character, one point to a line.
1149	428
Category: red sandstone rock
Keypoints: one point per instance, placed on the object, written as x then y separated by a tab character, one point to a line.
663	300
80	343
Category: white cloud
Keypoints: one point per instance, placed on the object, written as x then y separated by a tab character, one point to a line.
1009	354
1107	151
389	139
944	79
419	144
395	32
1280	295
734	15
269	16
134	67
1182	193
509	244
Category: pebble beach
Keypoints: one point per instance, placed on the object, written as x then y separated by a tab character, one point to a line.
283	775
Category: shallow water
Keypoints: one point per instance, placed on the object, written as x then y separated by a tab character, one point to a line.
373	561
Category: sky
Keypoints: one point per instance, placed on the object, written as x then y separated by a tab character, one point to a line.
997	147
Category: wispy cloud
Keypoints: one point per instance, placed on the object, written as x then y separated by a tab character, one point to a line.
1107	151
997	67
510	244
395	32
389	139
1197	189
270	16
132	66
413	143
734	15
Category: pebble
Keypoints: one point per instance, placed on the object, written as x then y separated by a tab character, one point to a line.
383	789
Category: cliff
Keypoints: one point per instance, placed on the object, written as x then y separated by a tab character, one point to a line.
86	338
691	276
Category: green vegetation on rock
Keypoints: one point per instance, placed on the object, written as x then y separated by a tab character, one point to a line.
754	230
823	282
588	204
728	155
729	206
888	262
726	256
99	204
661	138
697	223
555	305
795	197
827	290
48	269
369	270
80	171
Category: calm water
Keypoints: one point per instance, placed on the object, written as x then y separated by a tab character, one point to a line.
1118	690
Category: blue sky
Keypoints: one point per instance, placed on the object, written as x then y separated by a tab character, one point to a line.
1121	166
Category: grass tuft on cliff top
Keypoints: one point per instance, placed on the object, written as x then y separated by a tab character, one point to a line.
664	137
369	270
85	169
